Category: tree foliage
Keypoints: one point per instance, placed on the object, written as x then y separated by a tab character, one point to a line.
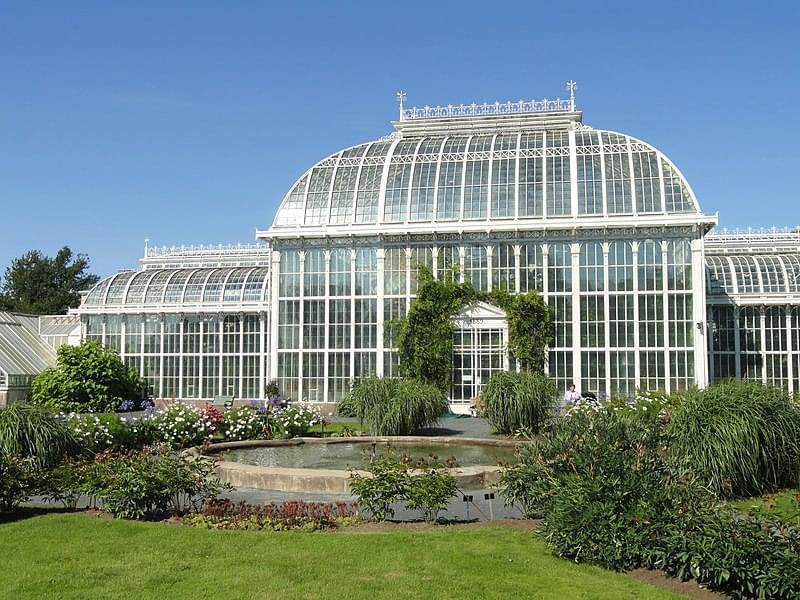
40	285
425	336
86	378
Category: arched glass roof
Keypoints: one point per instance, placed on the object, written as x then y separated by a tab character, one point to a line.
753	274
155	287
502	175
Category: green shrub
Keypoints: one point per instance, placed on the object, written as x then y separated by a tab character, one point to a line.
150	483
378	492
741	438
86	378
19	478
100	431
429	492
243	423
295	420
603	485
743	555
395	406
513	401
179	425
35	432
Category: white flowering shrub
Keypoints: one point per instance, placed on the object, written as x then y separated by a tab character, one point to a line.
243	423
644	403
98	431
295	419
178	425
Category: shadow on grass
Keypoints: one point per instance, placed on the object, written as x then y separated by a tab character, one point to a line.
21	513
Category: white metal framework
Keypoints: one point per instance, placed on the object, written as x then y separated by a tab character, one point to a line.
517	196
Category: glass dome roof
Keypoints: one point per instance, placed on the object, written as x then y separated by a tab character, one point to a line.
164	287
443	176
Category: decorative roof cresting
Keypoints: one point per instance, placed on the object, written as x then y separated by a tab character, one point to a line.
488	109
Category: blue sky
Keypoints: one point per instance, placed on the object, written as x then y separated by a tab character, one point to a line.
187	122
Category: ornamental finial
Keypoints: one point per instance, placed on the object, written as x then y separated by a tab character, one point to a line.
401	98
571	87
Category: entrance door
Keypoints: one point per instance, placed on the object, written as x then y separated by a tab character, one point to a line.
477	353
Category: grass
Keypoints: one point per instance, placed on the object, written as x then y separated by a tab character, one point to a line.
784	505
335	427
76	556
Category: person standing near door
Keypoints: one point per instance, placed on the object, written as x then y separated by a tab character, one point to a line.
571	397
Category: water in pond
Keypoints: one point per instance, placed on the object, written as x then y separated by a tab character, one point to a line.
342	456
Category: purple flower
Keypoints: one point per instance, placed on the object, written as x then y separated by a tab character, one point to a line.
126	406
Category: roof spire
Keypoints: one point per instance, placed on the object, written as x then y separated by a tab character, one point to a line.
401	98
571	87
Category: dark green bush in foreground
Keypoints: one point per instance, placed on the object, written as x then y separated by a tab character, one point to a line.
426	490
19	478
741	438
611	493
394	406
513	401
149	483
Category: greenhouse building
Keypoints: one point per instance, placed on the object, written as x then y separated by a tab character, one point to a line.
519	196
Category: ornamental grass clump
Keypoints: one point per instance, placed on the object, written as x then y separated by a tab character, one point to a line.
740	438
35	432
395	406
514	401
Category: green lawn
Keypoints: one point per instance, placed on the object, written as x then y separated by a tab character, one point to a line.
784	504
78	556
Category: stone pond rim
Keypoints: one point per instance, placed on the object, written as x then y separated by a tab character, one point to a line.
335	481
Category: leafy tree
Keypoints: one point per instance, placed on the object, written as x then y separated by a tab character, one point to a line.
38	284
86	378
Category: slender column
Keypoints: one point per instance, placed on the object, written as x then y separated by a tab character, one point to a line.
262	354
327	255
699	335
161	355
275	311
545	294
666	324
577	367
489	257
180	355
606	313
789	340
301	312
381	262
762	325
353	313
220	354
737	342
517	270
201	388
241	355
637	359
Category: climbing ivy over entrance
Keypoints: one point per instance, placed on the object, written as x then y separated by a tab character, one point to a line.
425	336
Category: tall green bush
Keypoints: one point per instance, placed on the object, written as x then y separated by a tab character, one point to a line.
34	432
513	401
395	406
741	438
86	378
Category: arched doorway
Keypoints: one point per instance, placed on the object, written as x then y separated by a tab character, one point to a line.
480	348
